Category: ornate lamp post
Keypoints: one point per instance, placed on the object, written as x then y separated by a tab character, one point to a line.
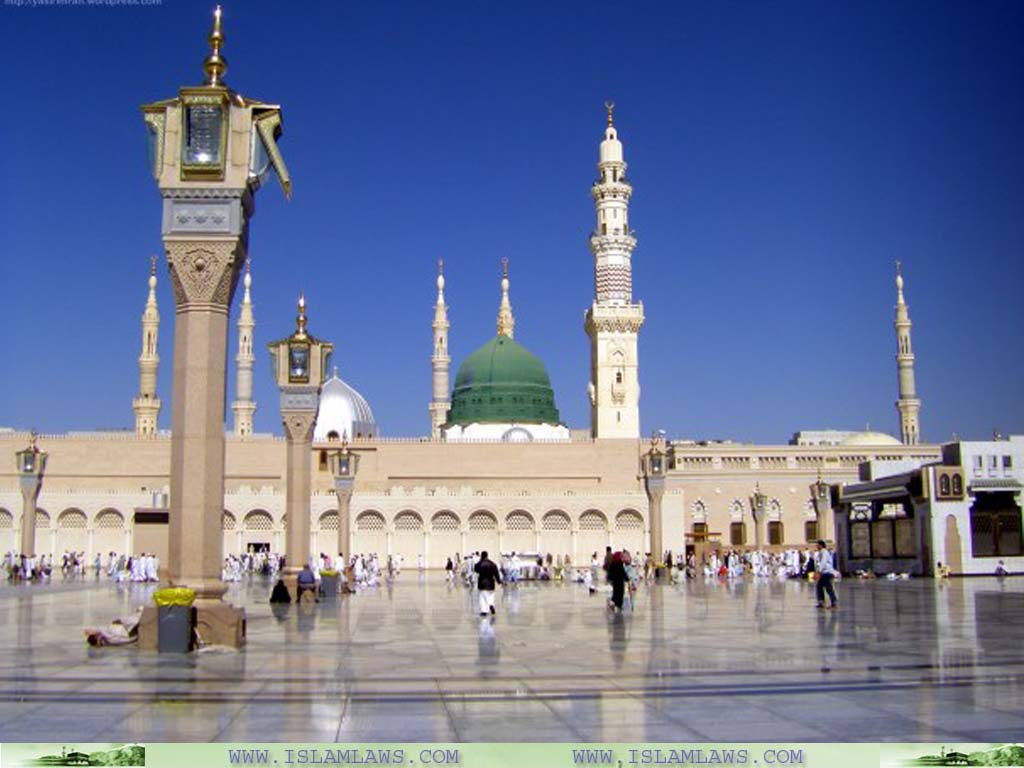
654	477
344	465
210	149
299	365
31	465
758	502
821	494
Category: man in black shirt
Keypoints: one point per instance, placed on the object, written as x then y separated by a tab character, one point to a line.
488	577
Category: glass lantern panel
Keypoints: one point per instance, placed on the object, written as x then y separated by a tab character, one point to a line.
202	135
151	148
298	361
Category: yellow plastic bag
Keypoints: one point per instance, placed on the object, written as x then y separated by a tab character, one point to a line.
174	596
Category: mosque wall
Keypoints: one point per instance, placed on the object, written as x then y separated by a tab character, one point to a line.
434	499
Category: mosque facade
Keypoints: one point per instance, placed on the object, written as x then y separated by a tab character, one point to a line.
500	470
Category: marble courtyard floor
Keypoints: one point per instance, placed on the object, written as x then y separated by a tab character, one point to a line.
901	661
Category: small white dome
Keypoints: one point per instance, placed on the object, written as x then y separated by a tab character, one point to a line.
870	438
343	413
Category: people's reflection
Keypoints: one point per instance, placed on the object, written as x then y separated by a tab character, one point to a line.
280	611
307	617
487	647
617	639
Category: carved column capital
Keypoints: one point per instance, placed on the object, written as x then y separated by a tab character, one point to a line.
204	273
298	425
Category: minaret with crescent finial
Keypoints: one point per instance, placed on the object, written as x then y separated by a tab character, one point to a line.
506	322
244	407
909	405
147	404
440	362
613	321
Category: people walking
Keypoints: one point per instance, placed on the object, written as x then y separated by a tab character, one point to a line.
488	578
617	577
826	574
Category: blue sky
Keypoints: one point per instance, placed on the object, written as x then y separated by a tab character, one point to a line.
783	155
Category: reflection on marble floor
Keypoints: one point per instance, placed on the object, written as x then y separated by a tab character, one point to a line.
900	661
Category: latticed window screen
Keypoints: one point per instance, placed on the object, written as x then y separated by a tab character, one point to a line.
738	534
6	519
445	522
556	522
109	520
408	522
258	521
227	521
482	523
370	522
810	530
518	521
71	519
629	521
329	521
42	519
592	521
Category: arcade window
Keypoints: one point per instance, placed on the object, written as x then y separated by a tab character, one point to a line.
775	536
738	534
810	530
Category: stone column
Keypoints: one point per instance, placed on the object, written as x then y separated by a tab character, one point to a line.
298	426
655	493
204	273
30	485
343	488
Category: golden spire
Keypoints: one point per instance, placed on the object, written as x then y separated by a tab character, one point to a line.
506	322
610	106
152	265
899	283
300	321
215	65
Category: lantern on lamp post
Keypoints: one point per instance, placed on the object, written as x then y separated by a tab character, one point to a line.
31	463
758	502
299	364
344	464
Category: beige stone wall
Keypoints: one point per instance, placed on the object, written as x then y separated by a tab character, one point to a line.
433	498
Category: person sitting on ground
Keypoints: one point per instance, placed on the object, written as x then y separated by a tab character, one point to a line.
306	583
280	593
1001	569
941	571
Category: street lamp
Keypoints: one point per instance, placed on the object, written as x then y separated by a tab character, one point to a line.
758	502
299	364
654	472
821	495
31	463
344	465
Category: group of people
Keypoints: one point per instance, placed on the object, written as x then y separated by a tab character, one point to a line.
143	567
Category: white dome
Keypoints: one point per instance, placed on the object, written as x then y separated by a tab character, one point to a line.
343	413
870	438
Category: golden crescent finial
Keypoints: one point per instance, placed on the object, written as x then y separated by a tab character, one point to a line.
152	265
899	267
215	65
440	266
504	266
610	106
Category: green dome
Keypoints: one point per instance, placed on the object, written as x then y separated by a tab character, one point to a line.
502	383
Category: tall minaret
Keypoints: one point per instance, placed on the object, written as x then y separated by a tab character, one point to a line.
147	404
506	322
244	407
440	362
613	320
908	405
